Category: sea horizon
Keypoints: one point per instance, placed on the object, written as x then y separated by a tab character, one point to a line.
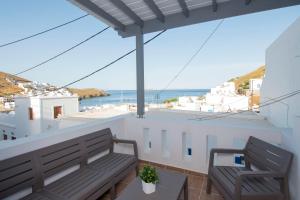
151	96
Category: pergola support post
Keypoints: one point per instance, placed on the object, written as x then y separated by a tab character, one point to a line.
140	74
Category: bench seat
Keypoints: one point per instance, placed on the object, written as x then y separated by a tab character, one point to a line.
88	182
114	163
268	188
79	184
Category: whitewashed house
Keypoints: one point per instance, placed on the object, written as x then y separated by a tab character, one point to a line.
223	98
34	115
255	85
227	88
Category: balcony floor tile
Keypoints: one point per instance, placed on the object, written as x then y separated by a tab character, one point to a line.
196	183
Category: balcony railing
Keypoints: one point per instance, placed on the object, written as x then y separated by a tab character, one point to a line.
171	138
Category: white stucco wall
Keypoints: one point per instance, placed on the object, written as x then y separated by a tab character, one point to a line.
43	113
230	132
203	135
255	84
282	77
69	106
7	125
24	126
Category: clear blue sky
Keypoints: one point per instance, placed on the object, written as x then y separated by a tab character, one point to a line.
238	47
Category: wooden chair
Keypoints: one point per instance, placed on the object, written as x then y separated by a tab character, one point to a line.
264	177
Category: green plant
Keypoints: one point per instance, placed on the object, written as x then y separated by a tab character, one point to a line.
149	175
170	100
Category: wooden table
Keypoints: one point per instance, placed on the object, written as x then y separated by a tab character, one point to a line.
170	187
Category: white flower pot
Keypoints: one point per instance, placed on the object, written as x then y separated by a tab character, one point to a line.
148	188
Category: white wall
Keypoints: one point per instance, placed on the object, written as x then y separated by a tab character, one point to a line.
282	77
7	125
227	133
255	84
13	148
43	113
69	106
24	126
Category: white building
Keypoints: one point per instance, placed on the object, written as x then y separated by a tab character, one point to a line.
227	88
34	115
223	98
255	85
282	77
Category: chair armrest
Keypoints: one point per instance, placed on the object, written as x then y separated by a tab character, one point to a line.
227	151
224	151
135	149
254	174
257	174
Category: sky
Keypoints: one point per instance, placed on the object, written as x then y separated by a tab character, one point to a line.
237	47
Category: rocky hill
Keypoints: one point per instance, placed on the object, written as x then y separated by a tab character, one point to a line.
88	92
9	86
242	82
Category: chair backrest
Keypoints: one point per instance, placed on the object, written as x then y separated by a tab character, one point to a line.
266	156
17	173
97	142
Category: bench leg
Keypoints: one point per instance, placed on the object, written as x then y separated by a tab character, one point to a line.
186	190
137	170
208	186
112	192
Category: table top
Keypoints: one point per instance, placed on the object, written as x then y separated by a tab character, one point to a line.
169	187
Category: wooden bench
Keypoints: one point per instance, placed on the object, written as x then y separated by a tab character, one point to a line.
89	181
264	177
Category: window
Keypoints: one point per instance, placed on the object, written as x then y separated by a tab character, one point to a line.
30	113
258	86
57	111
4	137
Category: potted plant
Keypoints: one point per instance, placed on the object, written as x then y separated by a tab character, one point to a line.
149	179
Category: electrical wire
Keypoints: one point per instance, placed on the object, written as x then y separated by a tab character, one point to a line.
101	68
192	57
61	53
42	32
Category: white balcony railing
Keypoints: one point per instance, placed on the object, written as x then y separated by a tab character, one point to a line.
166	137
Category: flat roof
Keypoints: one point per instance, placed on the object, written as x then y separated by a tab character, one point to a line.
128	17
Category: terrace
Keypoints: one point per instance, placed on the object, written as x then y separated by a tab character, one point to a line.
173	140
163	138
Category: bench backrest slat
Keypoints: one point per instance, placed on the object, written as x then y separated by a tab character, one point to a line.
16	173
31	169
98	142
59	157
266	156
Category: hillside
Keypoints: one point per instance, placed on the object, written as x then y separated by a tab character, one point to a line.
88	92
7	86
242	82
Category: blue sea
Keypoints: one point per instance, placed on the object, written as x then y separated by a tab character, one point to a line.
151	96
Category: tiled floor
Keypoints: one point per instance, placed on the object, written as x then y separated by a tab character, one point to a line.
196	183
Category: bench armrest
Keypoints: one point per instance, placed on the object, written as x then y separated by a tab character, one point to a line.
135	149
224	151
254	174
